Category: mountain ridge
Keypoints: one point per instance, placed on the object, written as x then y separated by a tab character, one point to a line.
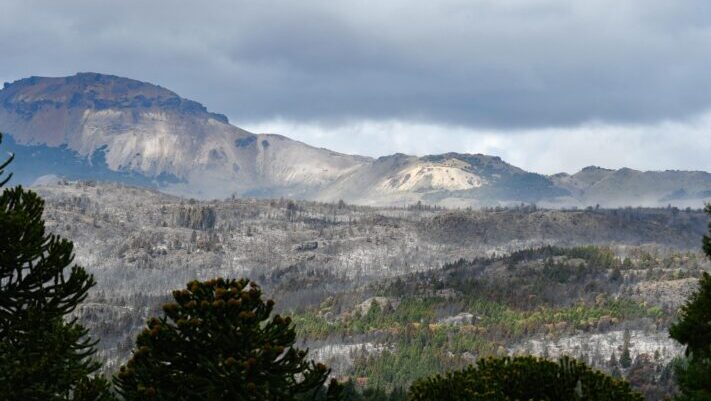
118	128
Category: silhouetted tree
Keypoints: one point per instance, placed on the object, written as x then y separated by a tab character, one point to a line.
3	165
707	238
523	378
694	331
42	355
218	342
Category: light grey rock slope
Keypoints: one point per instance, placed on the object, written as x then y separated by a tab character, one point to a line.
94	126
148	130
450	179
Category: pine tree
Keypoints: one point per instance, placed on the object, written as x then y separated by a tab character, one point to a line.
625	357
694	331
42	355
219	342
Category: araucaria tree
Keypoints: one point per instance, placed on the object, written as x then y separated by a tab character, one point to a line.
218	341
523	378
44	354
694	331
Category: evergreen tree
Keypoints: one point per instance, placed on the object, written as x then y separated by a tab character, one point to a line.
694	331
523	378
625	357
219	342
42	355
707	238
398	394
3	165
614	366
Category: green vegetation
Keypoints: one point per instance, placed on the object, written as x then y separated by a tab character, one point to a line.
694	331
421	349
523	378
42	355
218	341
548	291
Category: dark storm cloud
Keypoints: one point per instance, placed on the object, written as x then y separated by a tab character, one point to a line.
498	63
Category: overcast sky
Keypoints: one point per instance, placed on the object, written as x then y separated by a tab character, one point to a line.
549	85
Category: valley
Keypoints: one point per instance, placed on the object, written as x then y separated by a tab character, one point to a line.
355	201
386	295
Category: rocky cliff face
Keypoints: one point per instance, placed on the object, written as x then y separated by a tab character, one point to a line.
151	131
95	126
450	179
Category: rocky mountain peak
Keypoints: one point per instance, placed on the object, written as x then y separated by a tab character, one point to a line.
95	91
590	169
101	126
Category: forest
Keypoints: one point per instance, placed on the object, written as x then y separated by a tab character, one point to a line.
384	300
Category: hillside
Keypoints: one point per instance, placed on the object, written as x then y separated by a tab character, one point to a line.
104	127
451	179
470	283
614	188
122	125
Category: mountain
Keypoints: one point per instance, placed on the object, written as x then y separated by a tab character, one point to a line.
104	127
616	188
450	179
150	134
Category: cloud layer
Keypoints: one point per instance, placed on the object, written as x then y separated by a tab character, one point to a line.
500	67
660	146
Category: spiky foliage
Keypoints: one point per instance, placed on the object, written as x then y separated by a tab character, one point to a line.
3	165
707	238
694	326
218	341
37	271
42	355
694	331
523	378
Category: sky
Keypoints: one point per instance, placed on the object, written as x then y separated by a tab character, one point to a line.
548	85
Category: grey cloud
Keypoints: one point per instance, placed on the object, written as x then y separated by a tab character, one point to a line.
659	146
499	63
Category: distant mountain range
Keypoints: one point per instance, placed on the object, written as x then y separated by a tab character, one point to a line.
104	127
